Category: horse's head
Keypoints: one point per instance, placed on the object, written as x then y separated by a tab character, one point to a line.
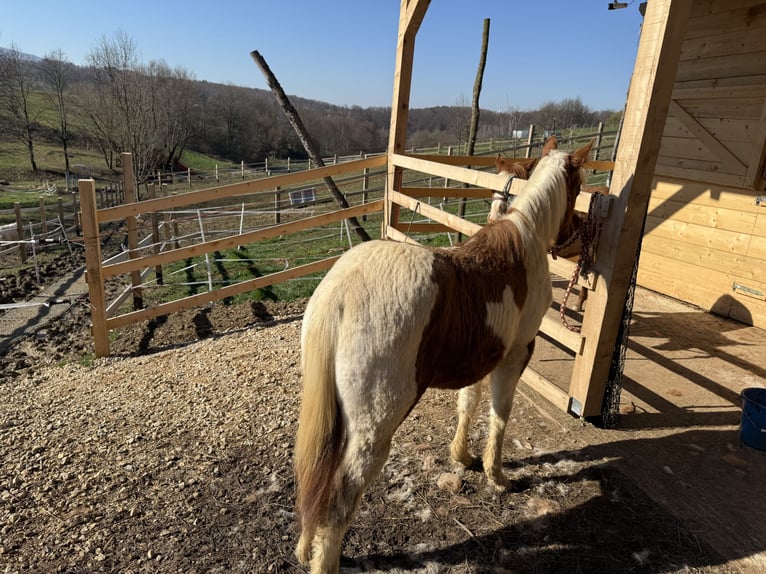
574	180
512	168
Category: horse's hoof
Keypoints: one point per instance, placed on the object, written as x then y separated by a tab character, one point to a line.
498	481
303	552
465	460
460	456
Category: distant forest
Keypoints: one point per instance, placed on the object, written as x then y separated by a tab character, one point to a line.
117	103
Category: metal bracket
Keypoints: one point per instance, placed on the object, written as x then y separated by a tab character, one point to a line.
748	291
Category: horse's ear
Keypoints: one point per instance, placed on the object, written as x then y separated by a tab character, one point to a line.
580	157
528	165
550	144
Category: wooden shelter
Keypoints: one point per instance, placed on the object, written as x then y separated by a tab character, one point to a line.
691	152
705	239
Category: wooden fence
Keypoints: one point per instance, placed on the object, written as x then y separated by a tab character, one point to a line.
135	263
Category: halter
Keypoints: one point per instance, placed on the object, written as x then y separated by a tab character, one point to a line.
505	195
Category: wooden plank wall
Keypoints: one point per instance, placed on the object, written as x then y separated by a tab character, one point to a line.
705	238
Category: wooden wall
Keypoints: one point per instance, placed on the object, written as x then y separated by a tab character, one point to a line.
705	237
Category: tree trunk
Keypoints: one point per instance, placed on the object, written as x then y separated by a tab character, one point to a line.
303	135
474	127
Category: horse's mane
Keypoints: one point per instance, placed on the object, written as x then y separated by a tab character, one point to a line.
538	204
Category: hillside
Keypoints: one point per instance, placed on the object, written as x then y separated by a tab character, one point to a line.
47	106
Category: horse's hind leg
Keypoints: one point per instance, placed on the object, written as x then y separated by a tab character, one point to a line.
363	459
468	400
503	382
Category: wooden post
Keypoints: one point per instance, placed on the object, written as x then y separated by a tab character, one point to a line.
365	185
303	135
277	205
411	14
648	101
20	232
475	111
76	213
599	137
530	138
188	176
152	193
129	185
60	204
43	218
93	275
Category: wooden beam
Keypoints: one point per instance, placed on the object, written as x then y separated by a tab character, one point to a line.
473	192
93	270
431	212
647	106
474	177
546	388
708	140
411	14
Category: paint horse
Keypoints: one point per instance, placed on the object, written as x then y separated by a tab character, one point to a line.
391	319
501	202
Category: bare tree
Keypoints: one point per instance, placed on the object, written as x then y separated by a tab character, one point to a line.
17	76
176	108
56	74
119	106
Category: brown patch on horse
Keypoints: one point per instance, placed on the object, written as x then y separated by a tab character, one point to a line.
458	347
573	220
520	169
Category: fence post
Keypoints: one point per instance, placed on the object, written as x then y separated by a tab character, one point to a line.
530	138
20	232
188	176
43	220
242	168
60	203
76	212
599	136
93	274
130	197
277	205
152	193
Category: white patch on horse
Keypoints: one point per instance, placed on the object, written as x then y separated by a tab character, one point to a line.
503	318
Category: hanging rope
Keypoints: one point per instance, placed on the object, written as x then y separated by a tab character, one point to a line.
587	233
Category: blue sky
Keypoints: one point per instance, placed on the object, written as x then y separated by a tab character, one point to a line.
343	51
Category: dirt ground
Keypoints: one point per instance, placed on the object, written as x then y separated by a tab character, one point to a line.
174	455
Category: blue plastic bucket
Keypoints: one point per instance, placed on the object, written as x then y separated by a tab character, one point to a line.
752	429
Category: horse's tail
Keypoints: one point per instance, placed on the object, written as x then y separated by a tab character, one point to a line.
319	441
